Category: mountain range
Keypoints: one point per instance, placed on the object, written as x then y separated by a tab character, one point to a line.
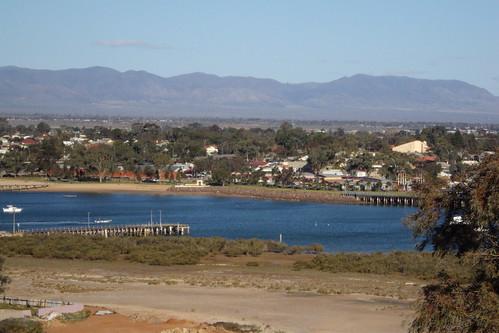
106	92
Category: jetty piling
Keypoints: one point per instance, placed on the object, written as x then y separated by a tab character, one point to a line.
20	187
127	230
387	199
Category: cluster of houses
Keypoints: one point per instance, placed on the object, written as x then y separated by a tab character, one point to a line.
336	176
269	171
83	140
329	176
16	141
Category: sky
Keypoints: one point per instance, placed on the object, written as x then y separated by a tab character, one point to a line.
290	41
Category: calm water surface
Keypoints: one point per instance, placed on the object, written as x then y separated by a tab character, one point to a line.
337	227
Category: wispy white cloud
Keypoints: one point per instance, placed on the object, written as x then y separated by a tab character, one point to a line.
131	43
408	72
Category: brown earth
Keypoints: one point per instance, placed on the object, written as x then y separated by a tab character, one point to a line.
118	323
272	295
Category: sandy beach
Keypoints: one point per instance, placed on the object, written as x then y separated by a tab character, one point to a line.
257	192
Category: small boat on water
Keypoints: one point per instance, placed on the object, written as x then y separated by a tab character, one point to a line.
11	209
101	221
70	195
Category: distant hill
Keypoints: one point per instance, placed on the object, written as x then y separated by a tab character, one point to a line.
105	91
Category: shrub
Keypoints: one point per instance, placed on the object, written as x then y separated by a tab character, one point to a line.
294	250
162	251
77	316
20	325
461	308
238	328
235	248
416	264
3	279
276	247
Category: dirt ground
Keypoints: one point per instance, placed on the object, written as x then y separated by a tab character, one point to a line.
118	323
271	296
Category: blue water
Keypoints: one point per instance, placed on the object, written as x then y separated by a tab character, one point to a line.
337	227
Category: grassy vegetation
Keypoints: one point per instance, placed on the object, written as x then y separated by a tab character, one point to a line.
413	264
164	251
77	316
167	251
237	328
20	325
4	306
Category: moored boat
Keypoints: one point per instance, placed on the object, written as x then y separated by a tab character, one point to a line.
11	209
101	221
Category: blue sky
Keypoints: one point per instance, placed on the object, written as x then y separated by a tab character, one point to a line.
291	41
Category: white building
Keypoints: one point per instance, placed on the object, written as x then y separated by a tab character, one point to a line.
211	150
413	147
360	173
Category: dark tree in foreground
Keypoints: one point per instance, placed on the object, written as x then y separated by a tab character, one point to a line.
461	220
3	279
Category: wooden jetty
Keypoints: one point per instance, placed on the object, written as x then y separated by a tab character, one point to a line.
380	198
20	187
30	302
127	230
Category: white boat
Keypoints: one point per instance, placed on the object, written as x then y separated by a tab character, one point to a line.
70	196
100	221
10	209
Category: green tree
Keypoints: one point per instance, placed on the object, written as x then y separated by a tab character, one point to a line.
5	127
101	159
290	138
461	220
161	160
42	128
14	161
319	157
457	140
125	155
45	154
221	172
362	162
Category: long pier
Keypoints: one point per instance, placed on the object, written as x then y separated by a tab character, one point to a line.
380	198
20	187
127	230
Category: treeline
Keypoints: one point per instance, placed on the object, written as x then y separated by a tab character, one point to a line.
146	148
164	251
414	264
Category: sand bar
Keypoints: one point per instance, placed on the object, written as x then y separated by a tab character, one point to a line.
225	191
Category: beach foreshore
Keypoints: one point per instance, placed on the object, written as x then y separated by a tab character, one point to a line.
258	192
272	296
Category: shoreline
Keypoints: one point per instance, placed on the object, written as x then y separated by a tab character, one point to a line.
265	193
240	191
